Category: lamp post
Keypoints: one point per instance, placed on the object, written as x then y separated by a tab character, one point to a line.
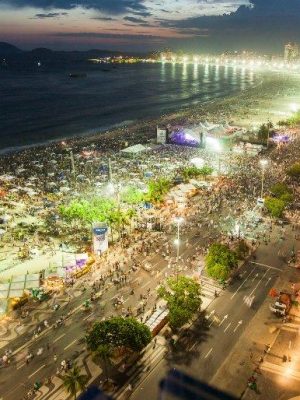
109	170
263	164
178	221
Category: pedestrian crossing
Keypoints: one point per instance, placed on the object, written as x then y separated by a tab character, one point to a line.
209	288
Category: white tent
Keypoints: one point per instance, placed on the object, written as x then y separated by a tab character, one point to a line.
135	149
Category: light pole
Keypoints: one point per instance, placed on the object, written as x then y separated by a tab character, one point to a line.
178	221
109	170
263	164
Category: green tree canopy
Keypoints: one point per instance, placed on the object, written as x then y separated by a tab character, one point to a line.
157	189
280	189
88	210
194	172
219	272
183	297
294	171
119	332
275	206
292	121
221	254
132	195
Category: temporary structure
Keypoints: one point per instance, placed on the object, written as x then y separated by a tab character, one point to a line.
134	150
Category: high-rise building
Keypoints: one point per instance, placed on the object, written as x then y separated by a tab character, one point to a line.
291	52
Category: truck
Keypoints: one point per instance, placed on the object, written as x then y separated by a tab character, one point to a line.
282	304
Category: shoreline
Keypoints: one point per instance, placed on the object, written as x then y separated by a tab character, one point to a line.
126	124
235	109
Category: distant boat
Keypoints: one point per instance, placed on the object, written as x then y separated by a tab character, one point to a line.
78	75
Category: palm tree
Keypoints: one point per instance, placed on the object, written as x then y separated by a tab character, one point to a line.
104	352
74	381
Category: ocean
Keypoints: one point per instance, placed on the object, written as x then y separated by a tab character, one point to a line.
43	104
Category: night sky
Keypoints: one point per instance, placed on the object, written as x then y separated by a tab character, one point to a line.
189	25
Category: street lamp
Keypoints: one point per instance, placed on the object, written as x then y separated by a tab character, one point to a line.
263	164
178	221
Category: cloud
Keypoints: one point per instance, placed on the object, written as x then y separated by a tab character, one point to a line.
144	14
104	18
262	24
106	6
135	20
49	15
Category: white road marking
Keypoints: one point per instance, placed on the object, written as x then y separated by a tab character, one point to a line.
210	314
35	372
265	265
71	344
239	324
208	353
147	283
193	346
242	284
225	317
59	337
20	366
88	316
256	275
227	327
258	282
266	284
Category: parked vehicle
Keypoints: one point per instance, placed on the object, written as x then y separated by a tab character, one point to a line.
282	304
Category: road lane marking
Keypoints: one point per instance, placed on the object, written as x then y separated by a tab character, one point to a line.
194	345
146	284
71	344
210	314
258	283
208	353
20	366
227	327
59	337
88	316
35	372
265	265
238	325
266	284
255	276
225	317
242	284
